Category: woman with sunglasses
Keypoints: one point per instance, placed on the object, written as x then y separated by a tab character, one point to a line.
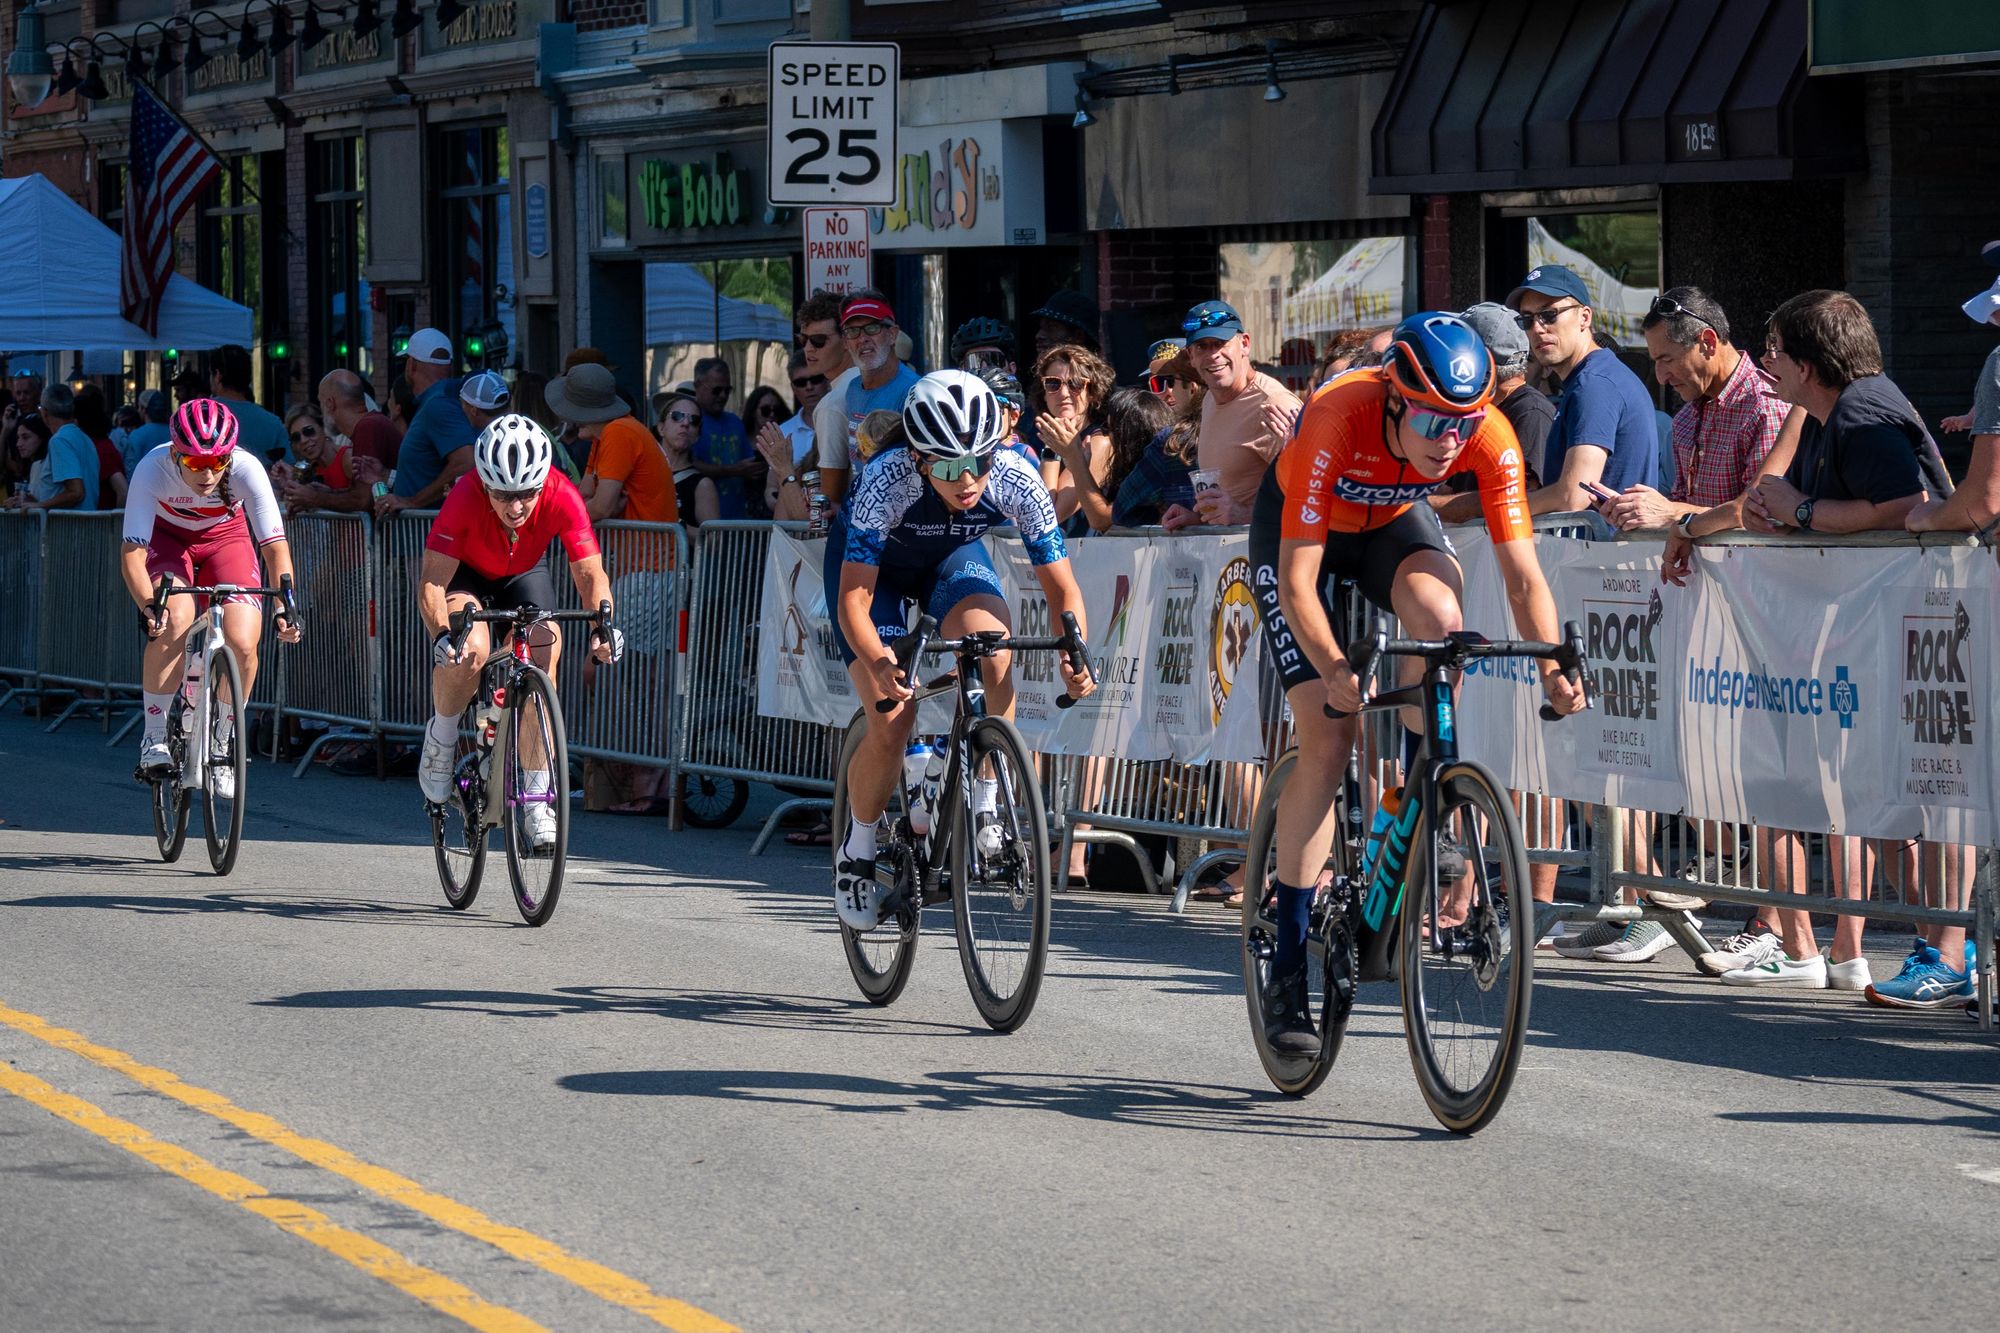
1071	383
1347	499
680	427
913	536
200	511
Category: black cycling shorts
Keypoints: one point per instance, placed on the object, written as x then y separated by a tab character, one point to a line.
1370	559
534	588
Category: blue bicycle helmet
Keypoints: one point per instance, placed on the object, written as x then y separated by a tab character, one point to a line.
1437	361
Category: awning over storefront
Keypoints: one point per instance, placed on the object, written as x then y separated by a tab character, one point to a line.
1559	94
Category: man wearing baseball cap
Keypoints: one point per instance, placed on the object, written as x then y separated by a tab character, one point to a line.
1236	443
868	326
1605	435
437	448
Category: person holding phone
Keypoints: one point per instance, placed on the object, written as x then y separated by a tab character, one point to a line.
1604	432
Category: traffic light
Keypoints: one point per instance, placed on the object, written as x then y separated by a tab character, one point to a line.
475	344
340	351
279	351
171	354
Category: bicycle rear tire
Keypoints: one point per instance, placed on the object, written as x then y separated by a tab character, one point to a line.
1293	1075
1002	923
170	799
532	683
1437	1011
222	822
880	959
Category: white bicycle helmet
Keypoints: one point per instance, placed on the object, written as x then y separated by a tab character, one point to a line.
512	454
952	414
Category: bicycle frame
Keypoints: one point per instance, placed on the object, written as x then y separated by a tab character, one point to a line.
194	652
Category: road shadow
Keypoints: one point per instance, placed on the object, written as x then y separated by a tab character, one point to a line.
248	903
85	863
797	1013
1158	1103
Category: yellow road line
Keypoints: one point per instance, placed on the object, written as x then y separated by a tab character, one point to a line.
371	1257
600	1281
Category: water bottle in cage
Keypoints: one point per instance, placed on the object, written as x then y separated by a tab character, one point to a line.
1385	815
916	788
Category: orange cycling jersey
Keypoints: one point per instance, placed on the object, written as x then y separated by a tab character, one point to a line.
1337	474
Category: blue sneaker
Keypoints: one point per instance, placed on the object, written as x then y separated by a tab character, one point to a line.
1926	982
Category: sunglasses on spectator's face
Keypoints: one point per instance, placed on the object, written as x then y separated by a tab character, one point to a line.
682	418
1546	318
1194	324
808	381
1053	384
873	328
1162	383
816	340
515	497
951	469
201	464
1666	307
1437	425
304	433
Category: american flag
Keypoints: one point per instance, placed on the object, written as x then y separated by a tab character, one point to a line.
169	166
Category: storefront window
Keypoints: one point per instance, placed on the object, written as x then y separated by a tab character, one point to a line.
1616	254
231	236
739	309
477	273
1294	296
111	195
343	329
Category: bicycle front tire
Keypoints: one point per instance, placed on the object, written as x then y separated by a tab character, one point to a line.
1002	912
524	863
1451	998
222	821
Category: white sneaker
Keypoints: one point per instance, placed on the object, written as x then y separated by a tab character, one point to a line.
1781	970
434	768
1850	975
1642	941
1586	942
1744	949
541	822
155	759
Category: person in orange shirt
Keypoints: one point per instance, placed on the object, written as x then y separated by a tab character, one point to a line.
627	474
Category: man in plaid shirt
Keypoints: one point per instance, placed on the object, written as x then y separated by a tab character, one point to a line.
1724	436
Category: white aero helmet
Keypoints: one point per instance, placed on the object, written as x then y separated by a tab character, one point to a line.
952	414
512	454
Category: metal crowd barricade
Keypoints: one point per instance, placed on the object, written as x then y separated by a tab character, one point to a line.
334	673
402	647
21	537
86	639
721	733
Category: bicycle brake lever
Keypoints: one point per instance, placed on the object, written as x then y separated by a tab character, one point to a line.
908	651
1077	654
1570	660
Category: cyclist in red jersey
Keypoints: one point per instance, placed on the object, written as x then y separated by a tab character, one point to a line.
485	549
1349	498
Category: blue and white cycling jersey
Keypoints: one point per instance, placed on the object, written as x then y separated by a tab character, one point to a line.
899	521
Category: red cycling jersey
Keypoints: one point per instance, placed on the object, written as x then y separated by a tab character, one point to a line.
1337	474
467	529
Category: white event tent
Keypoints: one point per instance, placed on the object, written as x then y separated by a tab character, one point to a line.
59	284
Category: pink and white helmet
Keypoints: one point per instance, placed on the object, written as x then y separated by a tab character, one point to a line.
204	428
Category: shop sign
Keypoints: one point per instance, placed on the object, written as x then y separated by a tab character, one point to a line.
487	23
963	185
688	196
342	48
535	220
836	247
226	69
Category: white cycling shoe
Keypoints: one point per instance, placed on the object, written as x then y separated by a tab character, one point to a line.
222	777
434	769
155	759
857	896
541	826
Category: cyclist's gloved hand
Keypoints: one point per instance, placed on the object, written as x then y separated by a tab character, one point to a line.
442	653
608	645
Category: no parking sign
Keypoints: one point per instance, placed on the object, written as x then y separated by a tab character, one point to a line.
836	249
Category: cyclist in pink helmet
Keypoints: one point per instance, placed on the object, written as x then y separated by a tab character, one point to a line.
199	512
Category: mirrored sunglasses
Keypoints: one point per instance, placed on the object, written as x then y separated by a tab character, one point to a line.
1437	425
951	469
1161	383
515	497
193	464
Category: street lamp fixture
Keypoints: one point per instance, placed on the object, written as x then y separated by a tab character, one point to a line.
447	13
314	32
1083	116
29	70
366	18
281	29
92	88
135	63
1272	91
407	19
247	44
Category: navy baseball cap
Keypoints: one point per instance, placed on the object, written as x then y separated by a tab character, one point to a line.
1212	319
1550	280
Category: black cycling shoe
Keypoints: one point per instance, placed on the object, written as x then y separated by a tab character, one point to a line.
1451	862
1288	1026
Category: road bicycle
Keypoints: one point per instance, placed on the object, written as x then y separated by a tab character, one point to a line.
201	750
992	863
1463	950
513	727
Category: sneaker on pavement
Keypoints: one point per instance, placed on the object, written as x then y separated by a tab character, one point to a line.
1781	970
541	822
1288	1024
434	769
856	895
1586	944
1926	982
1641	941
1850	975
1756	944
155	759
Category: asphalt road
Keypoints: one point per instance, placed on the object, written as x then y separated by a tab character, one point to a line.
308	1096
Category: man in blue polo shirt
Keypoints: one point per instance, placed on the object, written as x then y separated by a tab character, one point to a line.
1604	433
437	448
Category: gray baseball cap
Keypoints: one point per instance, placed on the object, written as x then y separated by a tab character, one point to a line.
1494	323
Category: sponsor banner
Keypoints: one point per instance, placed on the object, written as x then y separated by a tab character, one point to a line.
1944	673
799	673
1116	577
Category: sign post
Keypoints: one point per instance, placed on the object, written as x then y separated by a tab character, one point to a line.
836	249
832	122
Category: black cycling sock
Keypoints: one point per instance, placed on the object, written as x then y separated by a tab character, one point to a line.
1294	915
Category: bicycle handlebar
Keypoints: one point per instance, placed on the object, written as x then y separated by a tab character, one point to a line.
163	588
462	620
912	647
1366	656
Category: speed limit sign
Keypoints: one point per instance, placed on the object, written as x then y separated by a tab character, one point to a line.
833	122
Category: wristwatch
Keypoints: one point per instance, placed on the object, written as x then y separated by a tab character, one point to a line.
1804	515
1685	525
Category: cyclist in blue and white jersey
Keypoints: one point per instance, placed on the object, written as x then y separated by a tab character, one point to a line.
913	535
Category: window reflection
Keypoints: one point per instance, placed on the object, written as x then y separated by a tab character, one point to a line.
1616	254
739	309
1295	295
